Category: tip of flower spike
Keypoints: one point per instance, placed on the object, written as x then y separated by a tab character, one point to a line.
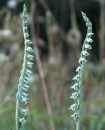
24	6
83	13
24	10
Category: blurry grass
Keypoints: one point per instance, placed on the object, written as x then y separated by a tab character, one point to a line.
58	115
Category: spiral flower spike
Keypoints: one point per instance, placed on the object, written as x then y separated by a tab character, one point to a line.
22	96
77	95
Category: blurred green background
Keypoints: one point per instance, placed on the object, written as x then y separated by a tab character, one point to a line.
59	31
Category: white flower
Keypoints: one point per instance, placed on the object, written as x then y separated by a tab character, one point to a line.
79	69
89	40
24	94
28	41
75	116
24	111
24	99
25	87
77	77
31	57
28	72
82	61
89	34
26	35
88	46
29	49
29	64
26	79
74	95
76	86
85	53
22	120
74	107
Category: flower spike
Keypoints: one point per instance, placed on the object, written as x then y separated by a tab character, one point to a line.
22	96
80	70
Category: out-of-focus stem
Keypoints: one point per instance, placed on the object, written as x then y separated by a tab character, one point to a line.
102	30
39	65
73	15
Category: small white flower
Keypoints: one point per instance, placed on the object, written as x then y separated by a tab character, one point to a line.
28	72
31	57
26	79
89	40
85	53
24	111
24	99
22	120
76	86
79	69
29	49
25	87
24	94
88	46
82	61
77	77
28	41
75	116
89	34
74	95
29	64
74	107
26	35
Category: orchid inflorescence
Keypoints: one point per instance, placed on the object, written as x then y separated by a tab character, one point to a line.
80	70
23	86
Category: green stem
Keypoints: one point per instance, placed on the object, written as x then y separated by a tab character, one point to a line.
78	126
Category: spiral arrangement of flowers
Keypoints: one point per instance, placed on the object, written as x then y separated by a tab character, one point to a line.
23	86
80	70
